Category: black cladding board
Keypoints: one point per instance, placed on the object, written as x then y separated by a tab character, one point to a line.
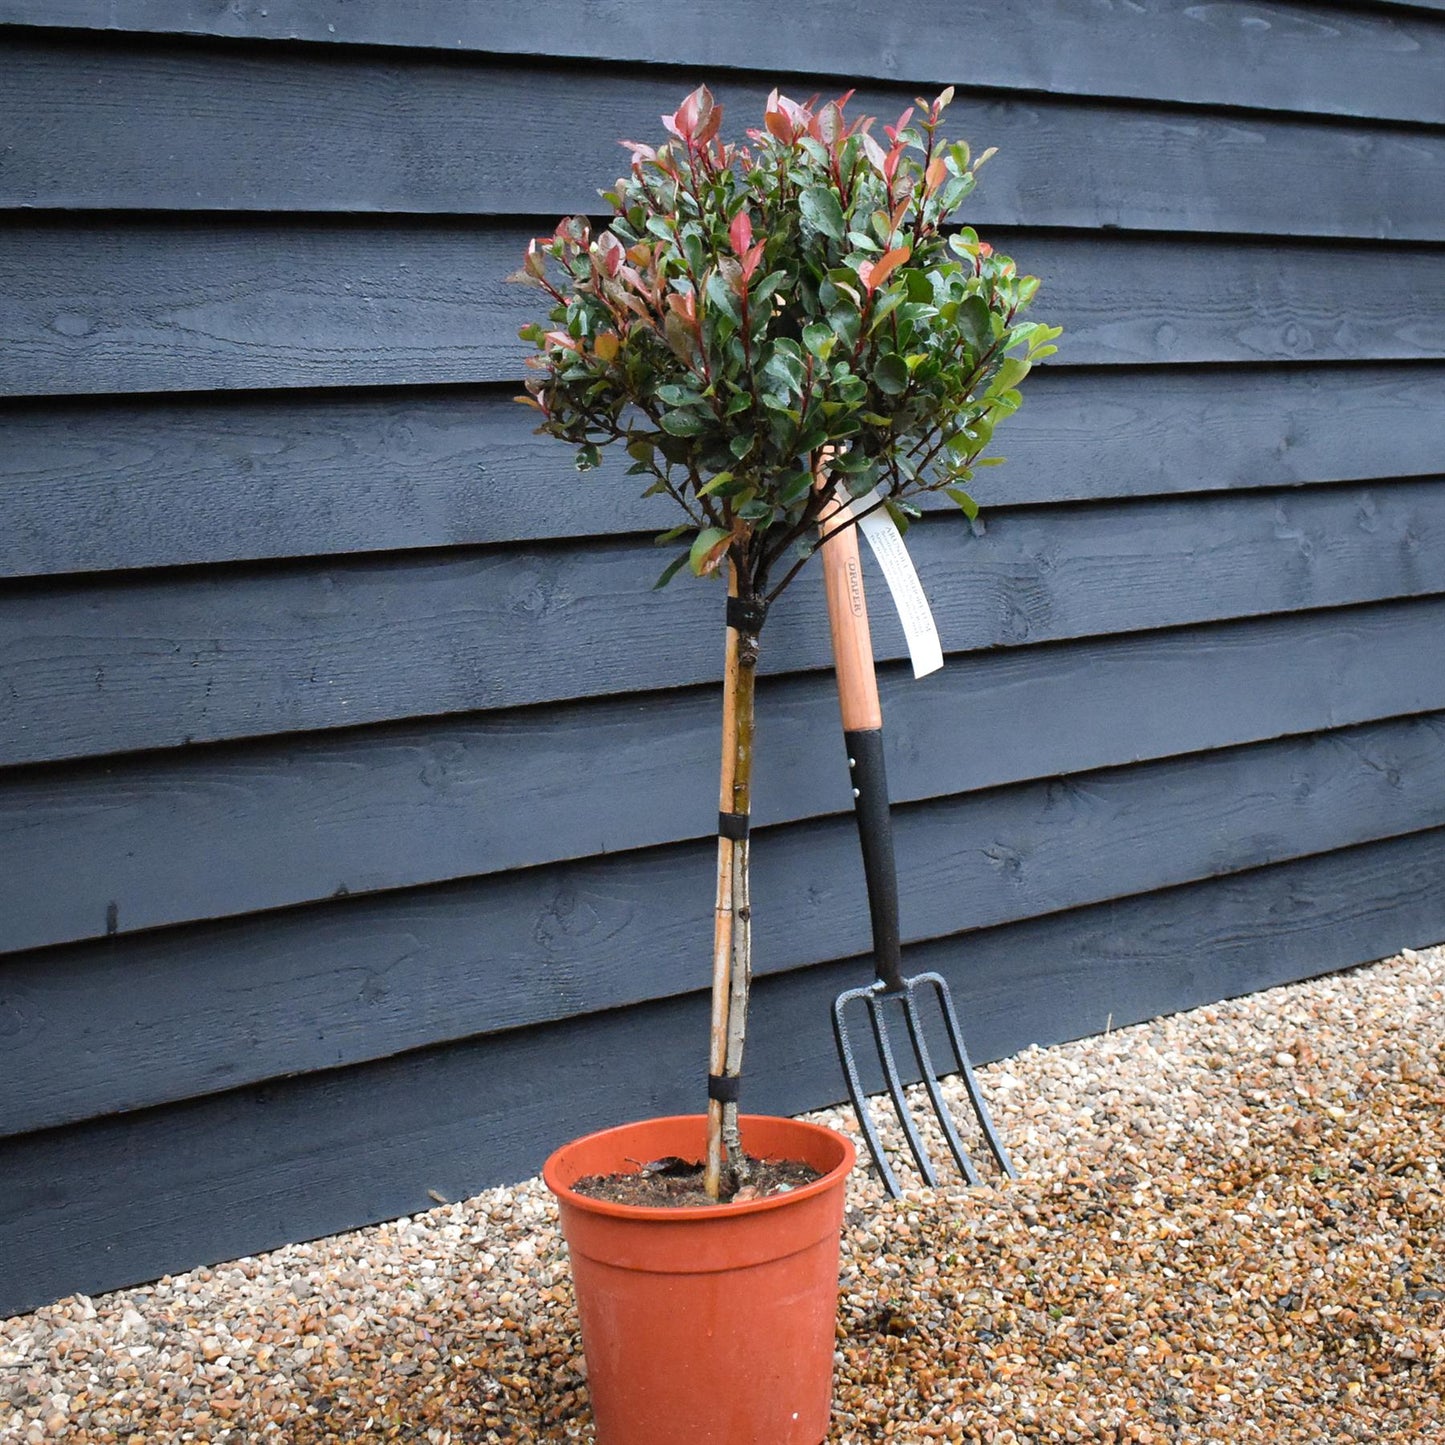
133	844
255	1168
349	131
99	485
160	661
131	305
141	1022
1331	59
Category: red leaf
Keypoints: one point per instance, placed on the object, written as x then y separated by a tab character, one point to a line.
611	251
740	233
891	131
937	170
884	267
709	127
639	151
751	260
828	127
695	110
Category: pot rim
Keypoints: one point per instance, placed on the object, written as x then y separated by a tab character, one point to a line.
684	1214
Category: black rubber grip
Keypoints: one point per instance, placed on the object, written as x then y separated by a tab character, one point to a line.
724	1088
875	832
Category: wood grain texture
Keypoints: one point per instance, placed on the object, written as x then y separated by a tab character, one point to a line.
348	131
115	666
94	486
130	1024
133	305
139	843
257	1167
1314	58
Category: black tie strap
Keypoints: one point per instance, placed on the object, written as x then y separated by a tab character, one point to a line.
733	826
746	616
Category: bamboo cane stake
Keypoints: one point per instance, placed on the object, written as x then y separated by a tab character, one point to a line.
740	979
722	946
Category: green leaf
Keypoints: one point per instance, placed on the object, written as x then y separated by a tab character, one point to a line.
682	423
707	550
794	487
740	446
765	288
976	323
819	338
740	403
588	458
675	395
692	248
1010	373
885	304
721	480
823	211
721	295
784	366
967	503
671	571
640	449
891	374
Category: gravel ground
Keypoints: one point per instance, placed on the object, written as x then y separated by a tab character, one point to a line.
1231	1226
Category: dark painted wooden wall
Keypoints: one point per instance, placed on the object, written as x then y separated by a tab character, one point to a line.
355	791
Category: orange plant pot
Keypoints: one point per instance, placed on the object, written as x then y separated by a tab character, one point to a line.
712	1325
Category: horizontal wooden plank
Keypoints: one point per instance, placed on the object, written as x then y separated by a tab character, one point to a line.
164	661
346	130
258	1167
1328	59
150	482
131	305
122	846
132	1023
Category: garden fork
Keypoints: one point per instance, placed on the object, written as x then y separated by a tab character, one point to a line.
890	991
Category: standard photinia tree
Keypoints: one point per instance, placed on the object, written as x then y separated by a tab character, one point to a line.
751	316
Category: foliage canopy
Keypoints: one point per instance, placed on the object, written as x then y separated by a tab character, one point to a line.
750	309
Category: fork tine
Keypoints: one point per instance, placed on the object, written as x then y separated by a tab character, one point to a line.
861	1111
965	1067
876	999
930	1082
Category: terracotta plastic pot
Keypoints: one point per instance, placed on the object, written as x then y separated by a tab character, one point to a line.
712	1325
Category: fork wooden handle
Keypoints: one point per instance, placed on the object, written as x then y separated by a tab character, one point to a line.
848	621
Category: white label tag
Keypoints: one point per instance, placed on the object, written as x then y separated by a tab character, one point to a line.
924	649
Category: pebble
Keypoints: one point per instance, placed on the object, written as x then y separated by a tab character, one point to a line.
1230	1226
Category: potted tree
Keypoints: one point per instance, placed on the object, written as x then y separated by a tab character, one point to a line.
771	330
